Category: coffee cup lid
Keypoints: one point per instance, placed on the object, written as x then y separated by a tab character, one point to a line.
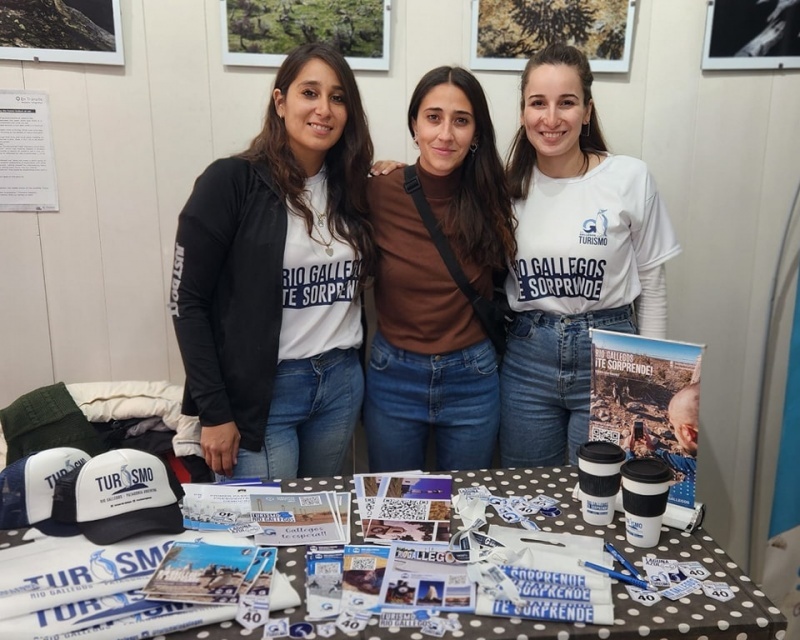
601	452
646	470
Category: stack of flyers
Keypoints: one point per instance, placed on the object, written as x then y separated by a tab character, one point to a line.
218	507
211	574
324	567
291	519
362	577
409	506
426	576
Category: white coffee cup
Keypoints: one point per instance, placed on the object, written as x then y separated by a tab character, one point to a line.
599	480
645	490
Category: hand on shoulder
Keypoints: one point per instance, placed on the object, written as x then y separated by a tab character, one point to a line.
385	167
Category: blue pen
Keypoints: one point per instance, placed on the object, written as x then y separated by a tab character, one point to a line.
618	576
623	560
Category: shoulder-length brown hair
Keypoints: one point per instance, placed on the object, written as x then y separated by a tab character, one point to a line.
347	163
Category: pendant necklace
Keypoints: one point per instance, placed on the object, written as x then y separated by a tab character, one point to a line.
321	221
321	224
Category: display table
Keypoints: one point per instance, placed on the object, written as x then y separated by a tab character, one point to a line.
748	616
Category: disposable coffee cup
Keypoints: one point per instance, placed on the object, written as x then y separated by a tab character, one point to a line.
599	479
645	489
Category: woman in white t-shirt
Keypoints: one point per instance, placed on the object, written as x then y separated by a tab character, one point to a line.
272	248
592	238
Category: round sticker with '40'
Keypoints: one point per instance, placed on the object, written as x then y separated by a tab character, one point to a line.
718	590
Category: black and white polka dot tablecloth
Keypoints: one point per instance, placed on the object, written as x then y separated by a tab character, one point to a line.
748	616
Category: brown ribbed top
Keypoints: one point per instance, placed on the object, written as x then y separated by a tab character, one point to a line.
420	308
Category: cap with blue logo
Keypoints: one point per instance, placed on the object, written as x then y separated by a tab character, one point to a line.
118	495
27	486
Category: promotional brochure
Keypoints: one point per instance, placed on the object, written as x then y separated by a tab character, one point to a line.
646	398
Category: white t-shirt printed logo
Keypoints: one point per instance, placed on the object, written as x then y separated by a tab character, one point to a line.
560	278
595	229
582	241
567	277
320	284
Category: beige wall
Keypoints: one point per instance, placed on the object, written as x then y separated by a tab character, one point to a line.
83	291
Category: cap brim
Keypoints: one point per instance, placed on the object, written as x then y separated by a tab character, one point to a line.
57	529
168	519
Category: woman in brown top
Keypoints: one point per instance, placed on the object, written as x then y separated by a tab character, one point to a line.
431	364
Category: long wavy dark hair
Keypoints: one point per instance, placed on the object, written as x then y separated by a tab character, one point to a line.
522	156
480	218
347	163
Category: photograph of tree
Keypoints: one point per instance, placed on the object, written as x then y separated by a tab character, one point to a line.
261	32
83	31
505	33
752	34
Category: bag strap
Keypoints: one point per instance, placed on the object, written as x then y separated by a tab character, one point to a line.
414	189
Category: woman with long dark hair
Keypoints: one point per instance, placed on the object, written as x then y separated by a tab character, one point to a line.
593	236
272	248
432	366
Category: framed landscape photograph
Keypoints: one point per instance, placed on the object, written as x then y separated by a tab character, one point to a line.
261	33
752	34
82	31
506	33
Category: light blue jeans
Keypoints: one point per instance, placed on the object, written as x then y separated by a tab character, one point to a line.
456	394
545	384
316	403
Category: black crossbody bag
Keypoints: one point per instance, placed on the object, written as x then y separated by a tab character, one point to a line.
494	318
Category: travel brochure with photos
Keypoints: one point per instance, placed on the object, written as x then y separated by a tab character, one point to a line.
363	569
218	507
289	519
426	577
408	506
324	574
211	574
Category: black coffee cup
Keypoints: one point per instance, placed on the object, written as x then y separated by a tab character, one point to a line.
599	479
645	491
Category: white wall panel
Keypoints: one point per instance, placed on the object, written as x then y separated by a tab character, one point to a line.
180	104
127	205
238	94
385	94
714	300
25	359
73	263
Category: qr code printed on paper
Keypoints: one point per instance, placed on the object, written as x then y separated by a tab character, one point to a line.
362	564
405	510
327	568
604	435
310	501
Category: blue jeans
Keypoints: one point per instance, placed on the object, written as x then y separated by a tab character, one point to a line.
316	403
545	383
456	394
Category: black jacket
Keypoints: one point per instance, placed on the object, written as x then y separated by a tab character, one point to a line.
226	297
